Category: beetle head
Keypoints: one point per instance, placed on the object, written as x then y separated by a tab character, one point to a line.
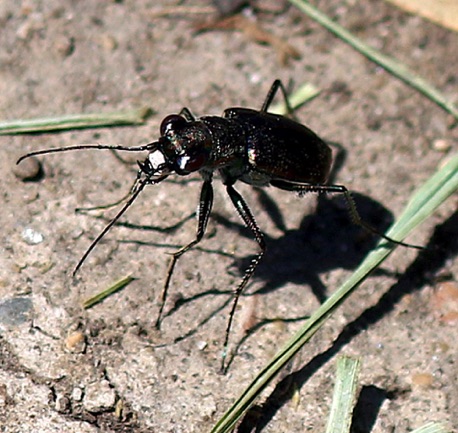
184	147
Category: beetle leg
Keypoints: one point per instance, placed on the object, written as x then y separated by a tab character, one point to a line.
277	84
245	213
352	209
186	113
356	217
203	213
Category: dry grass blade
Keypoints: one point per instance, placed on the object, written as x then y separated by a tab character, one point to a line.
75	121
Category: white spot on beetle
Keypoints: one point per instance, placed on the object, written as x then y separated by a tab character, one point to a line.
156	159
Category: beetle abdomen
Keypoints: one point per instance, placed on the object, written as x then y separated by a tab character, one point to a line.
283	149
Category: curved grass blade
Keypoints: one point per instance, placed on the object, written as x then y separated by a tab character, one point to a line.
392	65
422	204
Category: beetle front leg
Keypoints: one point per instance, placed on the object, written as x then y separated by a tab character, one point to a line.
203	213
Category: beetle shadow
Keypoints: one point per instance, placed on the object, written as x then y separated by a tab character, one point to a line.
325	240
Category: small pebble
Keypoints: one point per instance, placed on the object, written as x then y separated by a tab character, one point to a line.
423	380
441	145
33	23
108	42
31	236
444	302
28	170
4	397
77	394
75	342
16	311
64	46
201	345
62	404
99	397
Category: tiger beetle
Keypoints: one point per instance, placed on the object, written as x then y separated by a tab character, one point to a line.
256	147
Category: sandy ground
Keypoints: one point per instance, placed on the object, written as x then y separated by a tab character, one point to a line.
66	369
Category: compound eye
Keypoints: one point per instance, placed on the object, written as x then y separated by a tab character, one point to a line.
188	164
173	122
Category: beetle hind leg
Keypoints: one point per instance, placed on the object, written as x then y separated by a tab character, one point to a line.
351	205
276	85
186	113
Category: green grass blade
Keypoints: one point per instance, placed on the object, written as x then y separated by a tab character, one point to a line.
344	398
392	65
422	204
75	121
303	94
433	427
116	287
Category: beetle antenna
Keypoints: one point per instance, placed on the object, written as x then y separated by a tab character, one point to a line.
135	192
150	147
